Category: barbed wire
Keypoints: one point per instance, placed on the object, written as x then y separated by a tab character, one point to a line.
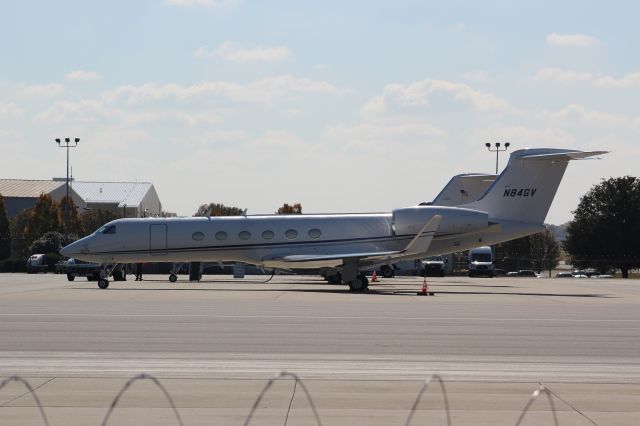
31	391
127	385
535	395
270	383
297	381
424	388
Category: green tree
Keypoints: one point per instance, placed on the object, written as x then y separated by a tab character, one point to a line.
18	223
288	209
540	252
545	251
605	230
95	218
50	244
69	218
5	232
217	209
43	218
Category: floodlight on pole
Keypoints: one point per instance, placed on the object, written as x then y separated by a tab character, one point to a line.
67	144
497	149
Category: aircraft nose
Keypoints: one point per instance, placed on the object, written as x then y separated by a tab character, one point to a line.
67	251
74	249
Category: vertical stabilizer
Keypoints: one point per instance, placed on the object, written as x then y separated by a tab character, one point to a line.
525	189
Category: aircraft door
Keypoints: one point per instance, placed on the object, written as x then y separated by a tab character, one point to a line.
158	240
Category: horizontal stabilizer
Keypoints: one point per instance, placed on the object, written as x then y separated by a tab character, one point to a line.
563	156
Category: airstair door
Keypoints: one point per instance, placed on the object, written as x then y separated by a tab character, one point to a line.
158	240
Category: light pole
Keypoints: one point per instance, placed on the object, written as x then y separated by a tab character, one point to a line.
67	144
497	150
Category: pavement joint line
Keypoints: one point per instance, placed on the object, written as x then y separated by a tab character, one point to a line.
345	317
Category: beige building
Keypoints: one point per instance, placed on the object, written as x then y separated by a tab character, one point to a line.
125	199
22	194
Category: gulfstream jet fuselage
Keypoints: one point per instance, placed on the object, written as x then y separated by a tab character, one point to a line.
515	205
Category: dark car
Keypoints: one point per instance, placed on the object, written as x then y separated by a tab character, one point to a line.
526	273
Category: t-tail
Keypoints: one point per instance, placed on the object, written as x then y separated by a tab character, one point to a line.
525	189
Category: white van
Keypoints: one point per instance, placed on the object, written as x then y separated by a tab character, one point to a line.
481	262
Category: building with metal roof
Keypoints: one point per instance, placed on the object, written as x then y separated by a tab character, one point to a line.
127	199
20	194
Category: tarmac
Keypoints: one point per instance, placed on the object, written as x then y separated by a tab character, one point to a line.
363	358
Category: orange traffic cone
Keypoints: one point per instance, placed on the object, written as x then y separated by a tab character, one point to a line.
425	289
374	277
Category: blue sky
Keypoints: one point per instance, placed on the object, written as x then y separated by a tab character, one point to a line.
342	106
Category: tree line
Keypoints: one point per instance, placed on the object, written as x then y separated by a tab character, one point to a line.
46	227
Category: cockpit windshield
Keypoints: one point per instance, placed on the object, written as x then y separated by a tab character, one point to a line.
107	229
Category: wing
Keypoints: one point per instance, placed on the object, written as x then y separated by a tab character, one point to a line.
418	244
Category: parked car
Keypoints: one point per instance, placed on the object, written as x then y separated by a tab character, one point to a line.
526	273
37	263
78	268
564	275
512	274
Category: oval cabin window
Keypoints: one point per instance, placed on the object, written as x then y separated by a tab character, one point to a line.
267	235
197	236
221	235
315	233
291	234
244	235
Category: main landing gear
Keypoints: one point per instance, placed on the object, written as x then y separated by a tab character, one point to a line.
359	284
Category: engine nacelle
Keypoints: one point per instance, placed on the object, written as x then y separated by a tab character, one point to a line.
409	220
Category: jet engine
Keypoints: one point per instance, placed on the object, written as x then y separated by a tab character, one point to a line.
455	220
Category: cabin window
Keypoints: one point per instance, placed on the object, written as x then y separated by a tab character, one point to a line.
291	234
315	233
244	235
221	235
267	235
111	229
197	236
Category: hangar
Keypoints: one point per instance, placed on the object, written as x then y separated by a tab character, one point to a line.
126	199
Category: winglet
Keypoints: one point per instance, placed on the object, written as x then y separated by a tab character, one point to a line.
420	243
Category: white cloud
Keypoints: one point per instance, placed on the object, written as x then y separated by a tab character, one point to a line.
476	76
10	110
460	26
206	3
578	113
524	136
385	135
261	91
82	75
557	75
579	40
627	81
562	76
233	52
418	94
41	89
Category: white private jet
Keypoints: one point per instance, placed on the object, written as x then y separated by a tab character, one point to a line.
513	206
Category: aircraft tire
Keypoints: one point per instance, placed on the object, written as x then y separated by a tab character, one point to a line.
360	284
102	283
334	279
387	272
173	278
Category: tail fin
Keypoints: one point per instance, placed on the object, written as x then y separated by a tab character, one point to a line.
463	189
526	187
